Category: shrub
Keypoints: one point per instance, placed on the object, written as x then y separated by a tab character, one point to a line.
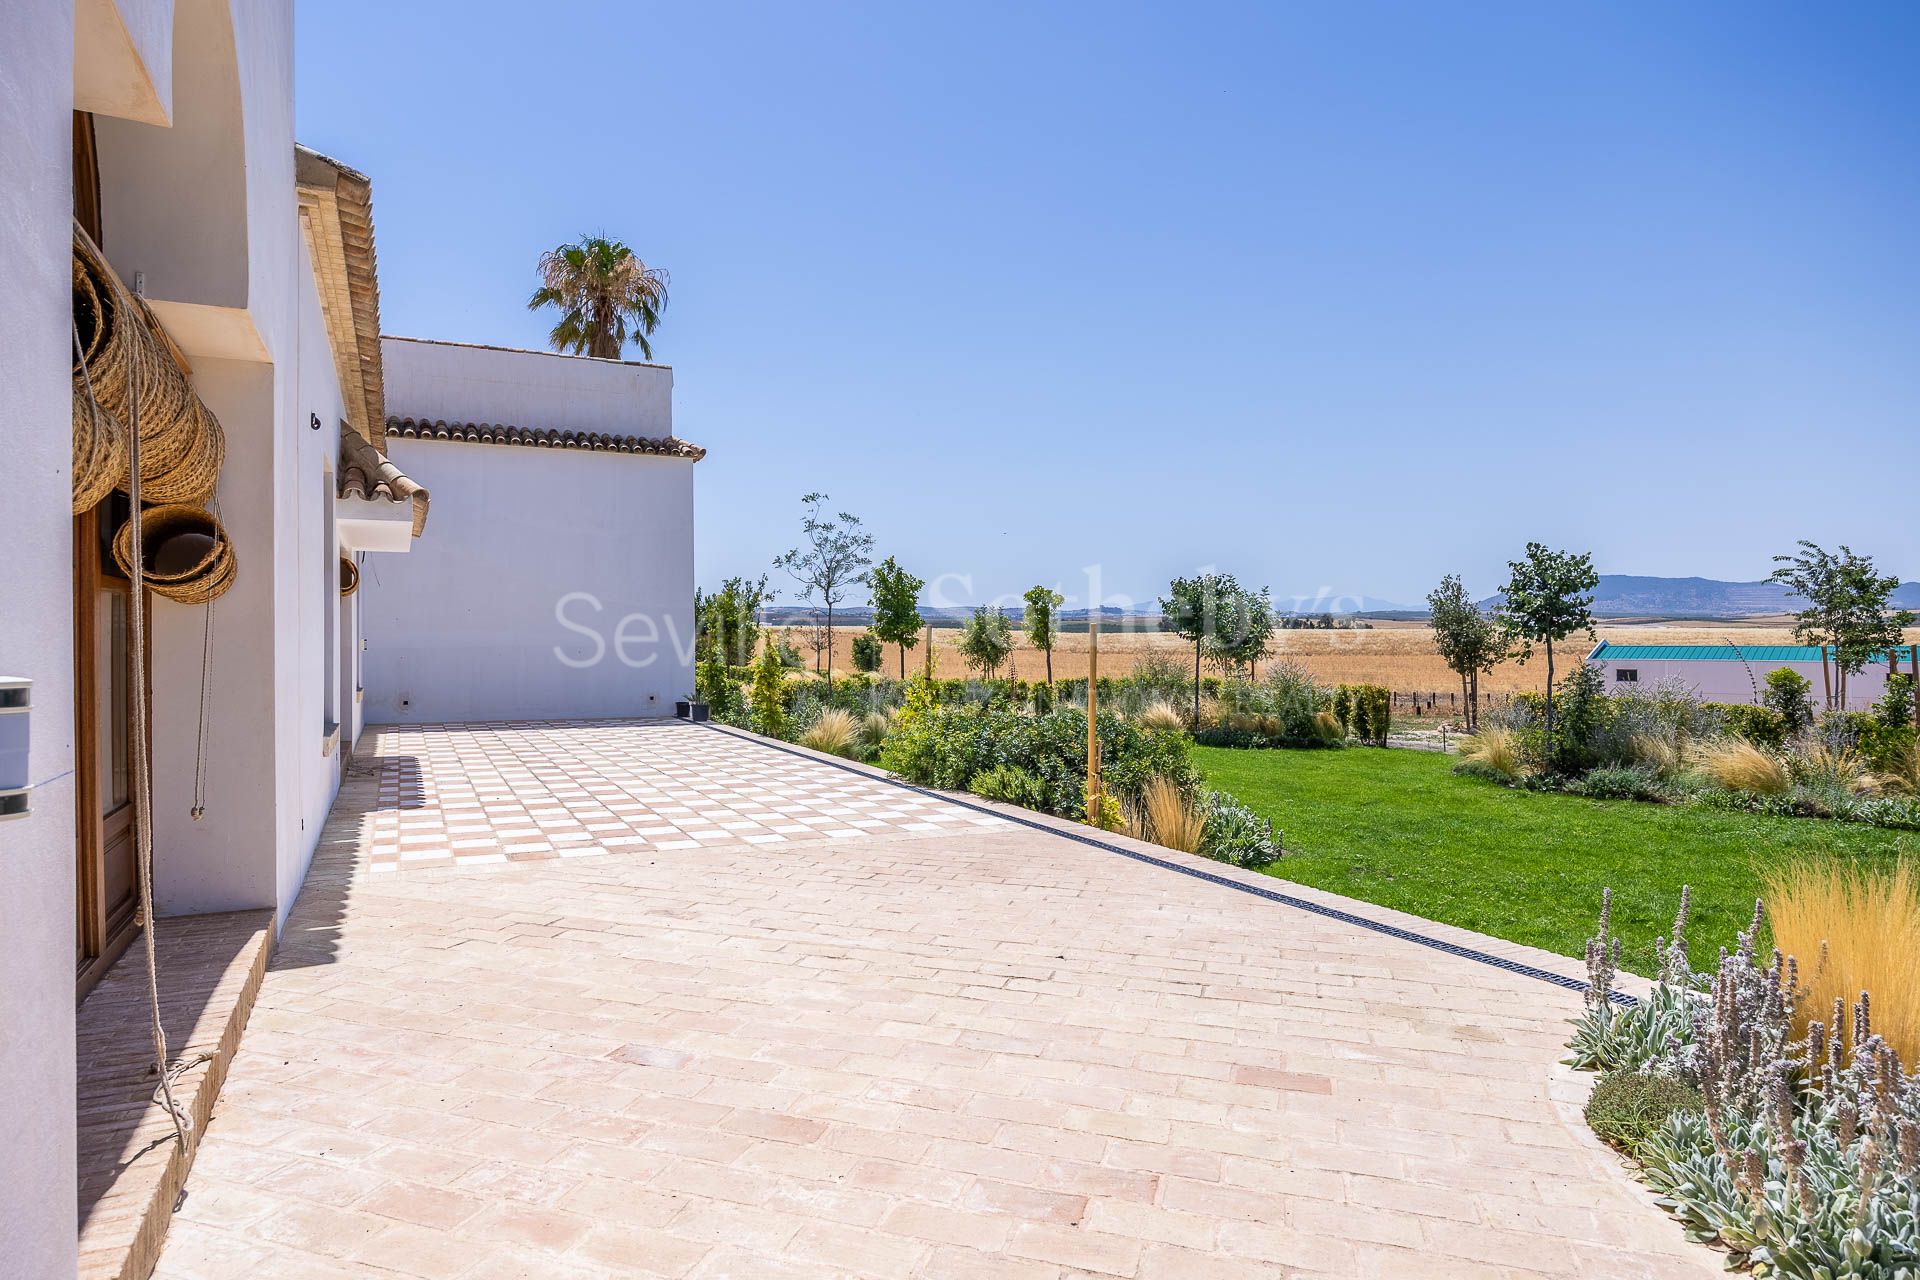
1824	767
1762	726
874	728
1343	707
1327	729
1583	713
1159	678
1379	711
1888	749
1234	833
1853	929
1900	771
1621	782
714	685
1895	708
1370	713
1493	753
1278	710
833	732
1790	696
945	746
1009	784
1104	811
1627	1107
1738	765
767	700
866	652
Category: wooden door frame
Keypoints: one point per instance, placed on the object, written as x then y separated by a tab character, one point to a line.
100	941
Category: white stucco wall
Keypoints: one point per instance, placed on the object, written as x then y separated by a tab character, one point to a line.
123	58
205	210
549	583
457	382
1715	680
37	1200
269	785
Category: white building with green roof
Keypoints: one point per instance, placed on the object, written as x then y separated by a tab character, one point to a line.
1734	672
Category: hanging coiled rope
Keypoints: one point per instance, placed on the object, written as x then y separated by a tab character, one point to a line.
142	779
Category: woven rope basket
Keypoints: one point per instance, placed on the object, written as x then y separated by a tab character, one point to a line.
211	569
99	451
349	577
193	467
181	444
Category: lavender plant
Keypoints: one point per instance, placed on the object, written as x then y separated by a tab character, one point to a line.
1805	1158
1614	1036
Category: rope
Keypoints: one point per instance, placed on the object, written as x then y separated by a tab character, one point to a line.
142	782
199	809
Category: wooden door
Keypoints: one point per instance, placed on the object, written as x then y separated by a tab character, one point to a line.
108	898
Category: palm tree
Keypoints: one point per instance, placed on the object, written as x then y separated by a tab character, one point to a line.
606	296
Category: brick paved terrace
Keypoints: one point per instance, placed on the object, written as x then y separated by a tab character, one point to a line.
656	1000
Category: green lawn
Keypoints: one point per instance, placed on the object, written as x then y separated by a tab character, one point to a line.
1398	828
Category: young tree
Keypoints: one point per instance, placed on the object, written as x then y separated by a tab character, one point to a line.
986	638
1469	641
819	640
767	700
1191	610
729	619
836	553
866	652
606	295
1849	610
1791	694
1548	597
1039	622
896	607
1243	629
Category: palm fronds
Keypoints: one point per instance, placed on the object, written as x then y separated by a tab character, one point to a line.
607	297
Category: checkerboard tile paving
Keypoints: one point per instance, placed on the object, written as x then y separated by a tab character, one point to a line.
985	1051
479	795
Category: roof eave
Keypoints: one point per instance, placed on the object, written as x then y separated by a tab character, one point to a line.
667	447
336	206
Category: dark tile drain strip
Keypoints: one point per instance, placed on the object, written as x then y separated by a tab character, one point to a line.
1271	895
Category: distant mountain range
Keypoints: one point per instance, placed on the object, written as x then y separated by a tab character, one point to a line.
1628	595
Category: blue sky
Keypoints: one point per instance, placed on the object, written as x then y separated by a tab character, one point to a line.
1330	296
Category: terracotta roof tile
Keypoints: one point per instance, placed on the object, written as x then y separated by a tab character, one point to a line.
365	472
542	438
336	213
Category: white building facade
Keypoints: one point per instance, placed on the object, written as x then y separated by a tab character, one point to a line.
1737	673
161	131
558	583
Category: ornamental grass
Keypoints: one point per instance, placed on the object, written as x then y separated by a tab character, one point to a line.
1738	765
1167	816
833	733
1855	931
1495	749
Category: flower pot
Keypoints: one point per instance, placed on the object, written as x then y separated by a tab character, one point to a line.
694	711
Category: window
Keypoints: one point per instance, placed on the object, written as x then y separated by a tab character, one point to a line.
1626	675
329	607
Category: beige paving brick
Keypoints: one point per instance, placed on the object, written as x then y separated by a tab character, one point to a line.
1092	1251
969	1051
939	1225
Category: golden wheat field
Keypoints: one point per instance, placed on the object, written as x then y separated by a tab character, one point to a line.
1398	655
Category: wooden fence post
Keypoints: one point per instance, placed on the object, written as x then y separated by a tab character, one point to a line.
1095	805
